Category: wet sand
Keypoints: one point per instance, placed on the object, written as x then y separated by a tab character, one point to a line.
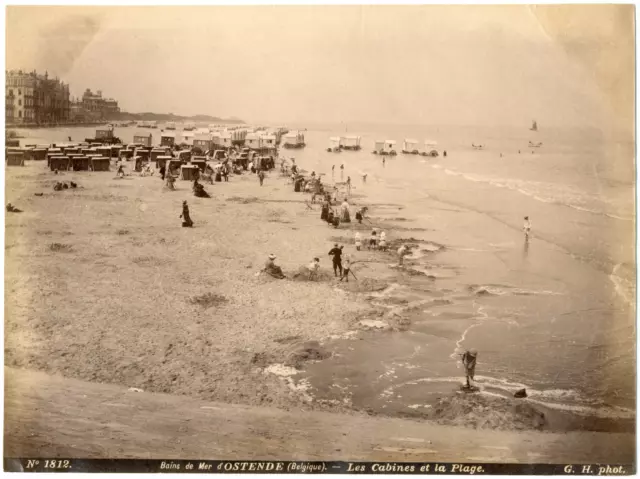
99	421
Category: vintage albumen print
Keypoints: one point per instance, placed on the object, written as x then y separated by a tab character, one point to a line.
320	233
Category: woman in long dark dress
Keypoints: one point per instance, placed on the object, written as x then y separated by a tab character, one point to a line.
186	219
324	215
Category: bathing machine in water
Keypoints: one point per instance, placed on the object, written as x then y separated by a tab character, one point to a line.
334	145
389	147
410	147
430	148
350	142
378	148
294	140
170	126
189	127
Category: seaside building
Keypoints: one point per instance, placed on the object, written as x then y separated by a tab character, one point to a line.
97	106
35	98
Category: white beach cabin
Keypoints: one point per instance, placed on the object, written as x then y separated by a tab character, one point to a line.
389	147
252	140
430	148
378	147
334	144
410	147
351	142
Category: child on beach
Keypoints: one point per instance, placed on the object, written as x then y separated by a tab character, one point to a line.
358	241
313	268
373	241
527	227
346	267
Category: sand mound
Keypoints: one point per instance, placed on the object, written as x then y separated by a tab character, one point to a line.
482	412
307	351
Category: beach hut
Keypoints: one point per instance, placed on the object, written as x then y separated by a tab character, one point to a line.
294	140
162	160
126	154
410	147
79	163
378	148
60	163
12	142
104	151
200	162
430	148
189	172
40	154
203	142
224	140
268	142
389	147
167	139
15	158
173	165
100	163
115	150
143	153
334	144
350	142
144	140
183	155
156	152
186	138
252	140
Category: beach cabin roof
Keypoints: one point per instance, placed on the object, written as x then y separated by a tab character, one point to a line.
430	142
268	137
390	142
352	137
410	141
169	134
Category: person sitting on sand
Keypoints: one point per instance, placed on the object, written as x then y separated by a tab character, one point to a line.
186	219
313	268
469	359
402	252
12	209
271	269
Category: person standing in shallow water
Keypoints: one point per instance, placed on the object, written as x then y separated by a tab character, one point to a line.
526	228
186	219
341	172
469	359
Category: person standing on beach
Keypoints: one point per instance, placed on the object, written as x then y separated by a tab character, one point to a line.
337	259
402	252
358	240
348	185
373	241
333	170
341	171
384	160
346	269
364	178
346	215
261	177
526	228
186	219
469	359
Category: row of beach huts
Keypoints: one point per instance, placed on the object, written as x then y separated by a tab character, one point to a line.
385	147
224	138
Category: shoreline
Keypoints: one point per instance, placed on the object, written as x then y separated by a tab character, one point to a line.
254	204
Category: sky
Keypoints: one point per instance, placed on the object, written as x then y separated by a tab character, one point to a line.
563	65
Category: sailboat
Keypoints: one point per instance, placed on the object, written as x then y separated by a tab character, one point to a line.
534	126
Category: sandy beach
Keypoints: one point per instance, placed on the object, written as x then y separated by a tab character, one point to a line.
103	285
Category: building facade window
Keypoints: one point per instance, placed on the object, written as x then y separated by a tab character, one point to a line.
19	102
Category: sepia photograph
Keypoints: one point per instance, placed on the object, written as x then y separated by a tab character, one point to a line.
385	239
